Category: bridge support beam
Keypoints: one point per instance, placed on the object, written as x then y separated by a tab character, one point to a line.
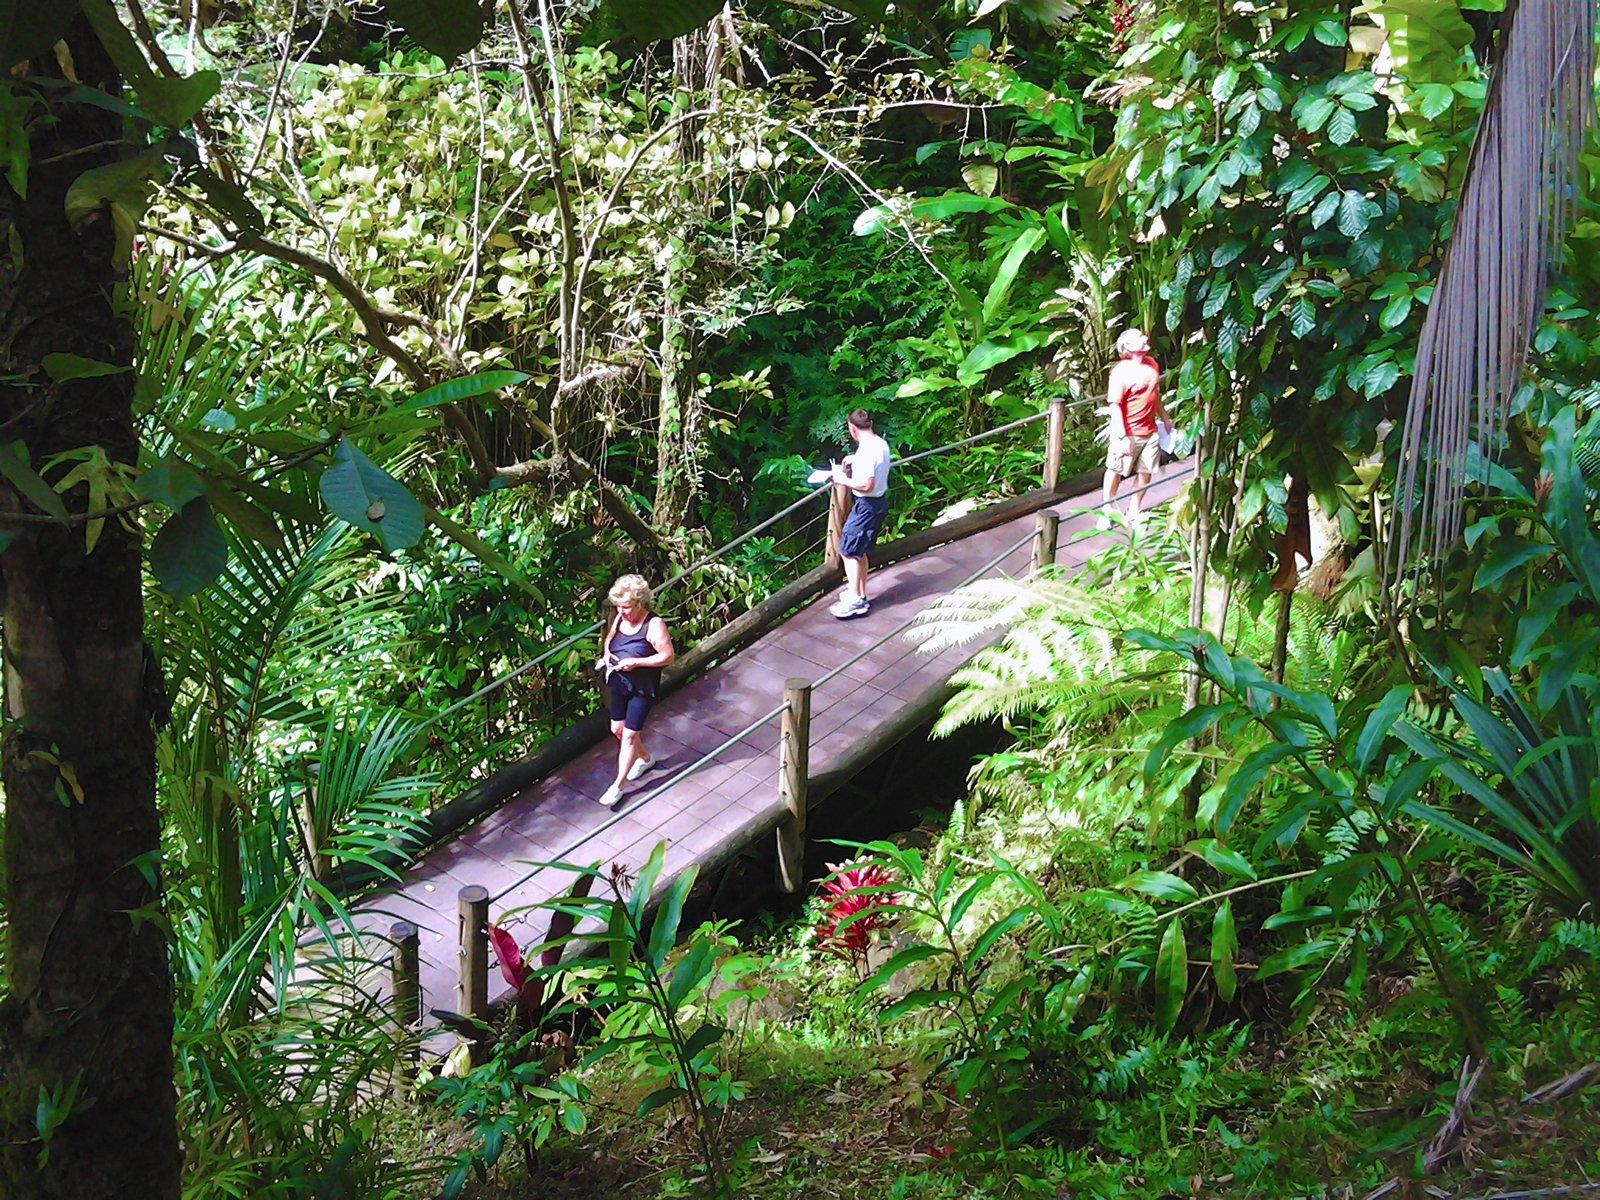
794	772
405	975
1045	527
1054	430
472	962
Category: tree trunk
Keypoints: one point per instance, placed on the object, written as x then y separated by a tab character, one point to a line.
1293	545
680	411
1200	565
86	1015
1280	638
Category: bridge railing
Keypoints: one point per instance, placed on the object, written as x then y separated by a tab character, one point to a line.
506	718
793	709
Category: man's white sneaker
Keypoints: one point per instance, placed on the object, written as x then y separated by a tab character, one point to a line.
847	609
640	766
1103	524
611	796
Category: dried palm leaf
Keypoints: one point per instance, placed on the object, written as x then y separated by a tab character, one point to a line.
1516	203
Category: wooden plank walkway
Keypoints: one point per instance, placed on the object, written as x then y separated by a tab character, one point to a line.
708	816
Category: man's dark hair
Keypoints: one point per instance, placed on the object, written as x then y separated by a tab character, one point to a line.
861	419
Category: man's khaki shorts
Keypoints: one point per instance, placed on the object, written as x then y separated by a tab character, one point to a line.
1133	456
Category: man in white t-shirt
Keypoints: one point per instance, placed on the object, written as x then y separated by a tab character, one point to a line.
865	473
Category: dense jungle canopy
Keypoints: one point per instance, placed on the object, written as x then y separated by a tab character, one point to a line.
349	350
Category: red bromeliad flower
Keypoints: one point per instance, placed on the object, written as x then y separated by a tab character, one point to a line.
841	889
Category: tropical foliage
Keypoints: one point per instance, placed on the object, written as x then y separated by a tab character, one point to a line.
408	326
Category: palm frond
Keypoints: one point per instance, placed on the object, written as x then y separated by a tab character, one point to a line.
1516	203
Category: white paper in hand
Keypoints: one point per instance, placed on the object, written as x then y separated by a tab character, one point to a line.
1164	438
818	477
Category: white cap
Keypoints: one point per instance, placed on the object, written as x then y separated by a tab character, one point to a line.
1132	341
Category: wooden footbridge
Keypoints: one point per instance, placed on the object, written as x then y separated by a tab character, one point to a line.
761	723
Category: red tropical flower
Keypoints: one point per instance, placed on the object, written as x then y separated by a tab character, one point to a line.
842	889
509	955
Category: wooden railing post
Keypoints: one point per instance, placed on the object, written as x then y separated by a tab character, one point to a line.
472	965
839	499
405	974
1054	428
1045	525
794	751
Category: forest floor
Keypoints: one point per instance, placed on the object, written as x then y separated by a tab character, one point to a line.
859	1125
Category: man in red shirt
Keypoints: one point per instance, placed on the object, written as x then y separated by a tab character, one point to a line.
1133	396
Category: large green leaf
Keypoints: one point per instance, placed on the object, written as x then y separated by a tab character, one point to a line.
1382	718
171	482
463	388
1163	885
657	1098
927	208
1224	946
1172	975
15	151
229	199
644	883
1192	724
172	101
664	932
1295	957
124	187
448	28
19	472
1426	38
899	961
989	354
190	550
1224	858
30	27
654	22
63	368
691	971
1025	245
362	493
658	20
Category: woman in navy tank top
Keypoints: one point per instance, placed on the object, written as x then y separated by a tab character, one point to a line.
636	648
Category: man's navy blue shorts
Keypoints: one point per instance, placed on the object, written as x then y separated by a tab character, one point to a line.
861	526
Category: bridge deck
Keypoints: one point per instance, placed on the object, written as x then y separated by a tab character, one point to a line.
732	801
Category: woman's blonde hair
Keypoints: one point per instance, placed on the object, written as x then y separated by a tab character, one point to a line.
632	589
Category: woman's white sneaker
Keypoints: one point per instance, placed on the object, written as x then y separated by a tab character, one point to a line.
640	766
611	796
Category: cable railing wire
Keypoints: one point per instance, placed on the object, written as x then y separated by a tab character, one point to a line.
989	433
591	629
979	573
635	804
680	601
975	438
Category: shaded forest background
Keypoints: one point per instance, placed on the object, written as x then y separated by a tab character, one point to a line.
351	351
